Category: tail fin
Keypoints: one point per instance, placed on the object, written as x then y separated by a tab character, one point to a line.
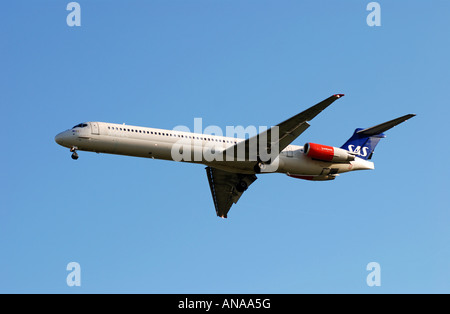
363	141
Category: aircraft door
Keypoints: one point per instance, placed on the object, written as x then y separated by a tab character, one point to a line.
94	128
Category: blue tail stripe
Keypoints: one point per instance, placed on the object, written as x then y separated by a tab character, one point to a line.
362	145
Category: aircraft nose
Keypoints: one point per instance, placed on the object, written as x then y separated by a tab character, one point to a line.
59	138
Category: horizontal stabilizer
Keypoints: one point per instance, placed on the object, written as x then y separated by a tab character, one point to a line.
363	141
380	128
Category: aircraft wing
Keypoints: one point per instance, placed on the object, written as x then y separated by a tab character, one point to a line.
227	188
288	131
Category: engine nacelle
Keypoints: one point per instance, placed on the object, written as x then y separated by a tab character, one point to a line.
327	153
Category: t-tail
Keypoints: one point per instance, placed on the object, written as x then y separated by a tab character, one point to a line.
363	141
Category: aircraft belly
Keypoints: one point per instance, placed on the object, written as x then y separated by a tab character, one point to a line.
233	166
306	166
142	148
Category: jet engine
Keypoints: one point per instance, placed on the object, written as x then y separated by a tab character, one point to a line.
327	153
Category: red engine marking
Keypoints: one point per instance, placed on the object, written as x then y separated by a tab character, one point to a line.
321	152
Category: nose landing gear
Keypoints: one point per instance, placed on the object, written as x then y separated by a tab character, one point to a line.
74	151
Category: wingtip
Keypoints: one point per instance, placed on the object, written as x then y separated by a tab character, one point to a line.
409	116
223	216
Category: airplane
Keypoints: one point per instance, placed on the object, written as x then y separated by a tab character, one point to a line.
236	161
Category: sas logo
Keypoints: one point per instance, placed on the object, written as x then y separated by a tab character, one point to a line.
357	151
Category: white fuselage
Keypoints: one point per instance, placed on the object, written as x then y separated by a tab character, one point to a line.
121	139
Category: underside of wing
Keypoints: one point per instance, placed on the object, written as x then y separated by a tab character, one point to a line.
227	188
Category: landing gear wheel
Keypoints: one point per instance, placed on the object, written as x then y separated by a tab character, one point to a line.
75	156
241	186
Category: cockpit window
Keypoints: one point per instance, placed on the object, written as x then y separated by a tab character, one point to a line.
81	125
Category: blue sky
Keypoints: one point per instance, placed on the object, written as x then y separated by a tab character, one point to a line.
148	226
